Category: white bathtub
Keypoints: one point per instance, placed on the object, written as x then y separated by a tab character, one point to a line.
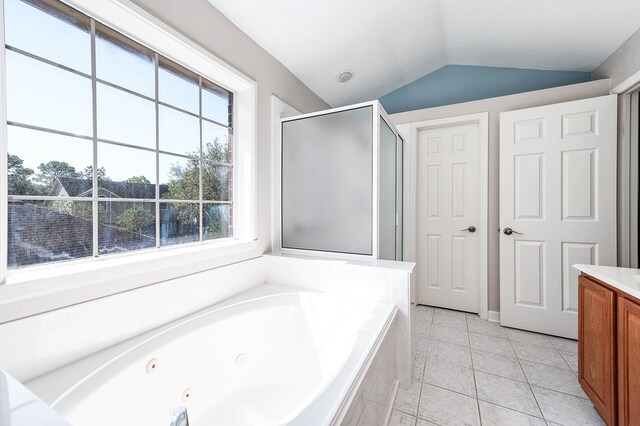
273	355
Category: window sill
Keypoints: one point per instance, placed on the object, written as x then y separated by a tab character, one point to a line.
44	288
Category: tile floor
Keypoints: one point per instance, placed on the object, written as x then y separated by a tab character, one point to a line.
473	372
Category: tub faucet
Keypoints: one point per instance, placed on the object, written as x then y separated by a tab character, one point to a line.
179	417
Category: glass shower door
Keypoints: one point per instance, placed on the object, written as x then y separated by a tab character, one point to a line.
327	169
387	193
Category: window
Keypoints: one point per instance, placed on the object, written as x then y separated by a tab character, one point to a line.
111	146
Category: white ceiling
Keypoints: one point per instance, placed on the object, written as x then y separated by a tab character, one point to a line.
388	43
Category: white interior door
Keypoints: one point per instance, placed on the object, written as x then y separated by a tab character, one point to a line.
448	216
557	208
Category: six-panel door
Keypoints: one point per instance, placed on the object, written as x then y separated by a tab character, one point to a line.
448	205
557	193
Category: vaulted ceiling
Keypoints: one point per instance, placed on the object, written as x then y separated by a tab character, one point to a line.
389	43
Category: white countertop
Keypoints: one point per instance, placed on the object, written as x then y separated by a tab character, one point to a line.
620	278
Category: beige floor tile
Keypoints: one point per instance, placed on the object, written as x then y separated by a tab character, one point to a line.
495	415
506	393
499	365
565	409
444	407
543	355
398	418
407	400
450	376
450	335
449	352
554	378
491	344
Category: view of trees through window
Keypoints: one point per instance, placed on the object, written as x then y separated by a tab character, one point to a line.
111	146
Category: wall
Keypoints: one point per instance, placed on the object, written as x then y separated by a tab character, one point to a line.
622	63
624	66
204	24
495	106
461	83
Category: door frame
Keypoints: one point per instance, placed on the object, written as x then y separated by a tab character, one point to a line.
628	168
411	224
279	110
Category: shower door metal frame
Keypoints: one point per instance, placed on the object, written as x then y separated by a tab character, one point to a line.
378	113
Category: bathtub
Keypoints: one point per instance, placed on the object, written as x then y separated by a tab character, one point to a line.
270	356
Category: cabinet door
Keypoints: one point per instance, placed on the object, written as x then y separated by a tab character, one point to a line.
629	362
596	347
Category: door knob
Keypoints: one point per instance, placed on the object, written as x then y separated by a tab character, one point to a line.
471	229
509	231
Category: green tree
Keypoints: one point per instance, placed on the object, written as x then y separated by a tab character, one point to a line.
184	180
184	185
87	173
138	179
135	219
216	151
82	209
19	177
52	170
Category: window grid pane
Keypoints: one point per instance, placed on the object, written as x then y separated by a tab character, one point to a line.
50	25
191	177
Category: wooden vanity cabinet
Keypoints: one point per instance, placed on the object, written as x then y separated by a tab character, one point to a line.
609	350
628	362
596	346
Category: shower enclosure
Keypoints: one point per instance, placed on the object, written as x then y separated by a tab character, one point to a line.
341	183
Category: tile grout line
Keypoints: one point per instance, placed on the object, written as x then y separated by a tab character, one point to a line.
526	381
541	386
560	353
473	372
553	348
479	399
512	342
430	324
424	367
557	351
544	418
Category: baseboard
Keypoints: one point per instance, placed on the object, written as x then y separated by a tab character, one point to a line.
493	316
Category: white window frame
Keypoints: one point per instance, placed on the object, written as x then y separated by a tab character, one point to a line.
37	289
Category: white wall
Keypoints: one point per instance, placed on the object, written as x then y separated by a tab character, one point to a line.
622	63
204	24
620	67
495	106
